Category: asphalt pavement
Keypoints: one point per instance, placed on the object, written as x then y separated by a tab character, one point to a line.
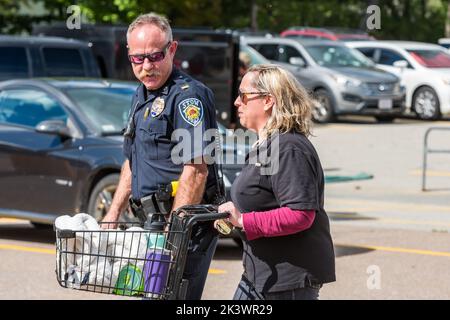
391	239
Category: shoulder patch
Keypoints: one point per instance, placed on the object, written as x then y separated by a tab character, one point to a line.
191	110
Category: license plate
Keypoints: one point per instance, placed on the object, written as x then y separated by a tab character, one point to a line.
385	104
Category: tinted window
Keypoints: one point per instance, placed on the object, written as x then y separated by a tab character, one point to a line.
388	57
13	62
270	51
368	52
106	108
287	52
29	107
63	62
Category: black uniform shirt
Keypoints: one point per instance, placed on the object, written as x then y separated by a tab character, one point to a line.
282	263
181	103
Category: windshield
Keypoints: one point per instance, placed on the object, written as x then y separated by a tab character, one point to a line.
255	56
106	108
338	56
431	58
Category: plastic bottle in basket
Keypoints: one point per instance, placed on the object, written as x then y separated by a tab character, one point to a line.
130	281
156	271
156	240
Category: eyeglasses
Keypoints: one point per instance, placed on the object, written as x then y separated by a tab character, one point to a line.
152	57
244	95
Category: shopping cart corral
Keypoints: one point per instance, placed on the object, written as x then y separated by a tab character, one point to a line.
129	260
427	150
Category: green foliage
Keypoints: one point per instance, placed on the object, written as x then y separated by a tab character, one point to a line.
422	20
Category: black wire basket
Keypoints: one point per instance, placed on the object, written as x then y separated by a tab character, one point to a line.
129	260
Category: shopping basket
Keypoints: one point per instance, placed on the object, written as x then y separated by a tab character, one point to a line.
129	260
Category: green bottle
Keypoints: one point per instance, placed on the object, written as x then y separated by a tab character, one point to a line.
130	281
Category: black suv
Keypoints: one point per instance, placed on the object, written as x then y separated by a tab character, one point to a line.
26	57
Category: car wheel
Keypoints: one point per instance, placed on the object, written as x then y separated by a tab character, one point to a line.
323	110
385	119
426	104
101	196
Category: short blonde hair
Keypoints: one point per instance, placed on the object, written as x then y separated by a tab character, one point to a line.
293	105
152	18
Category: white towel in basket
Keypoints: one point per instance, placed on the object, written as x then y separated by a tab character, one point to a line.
84	249
128	246
98	256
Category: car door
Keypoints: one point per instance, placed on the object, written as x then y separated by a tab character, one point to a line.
37	170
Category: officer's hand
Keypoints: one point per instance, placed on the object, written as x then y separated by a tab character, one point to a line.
110	217
235	215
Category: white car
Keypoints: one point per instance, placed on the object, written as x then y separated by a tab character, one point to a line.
423	68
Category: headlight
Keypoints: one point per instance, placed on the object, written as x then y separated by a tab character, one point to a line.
347	82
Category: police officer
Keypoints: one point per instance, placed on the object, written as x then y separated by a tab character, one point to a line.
167	100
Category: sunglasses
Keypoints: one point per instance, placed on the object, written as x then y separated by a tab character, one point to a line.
244	95
152	57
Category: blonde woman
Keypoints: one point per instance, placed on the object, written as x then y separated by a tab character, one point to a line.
288	250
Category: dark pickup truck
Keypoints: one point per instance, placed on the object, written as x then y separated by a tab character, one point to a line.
209	56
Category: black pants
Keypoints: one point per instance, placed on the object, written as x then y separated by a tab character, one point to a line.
246	291
201	251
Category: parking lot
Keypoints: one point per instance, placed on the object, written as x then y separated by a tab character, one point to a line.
391	239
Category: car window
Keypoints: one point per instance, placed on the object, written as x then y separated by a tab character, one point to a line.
431	58
255	56
61	62
106	108
287	52
269	51
29	107
368	52
388	57
13	63
338	56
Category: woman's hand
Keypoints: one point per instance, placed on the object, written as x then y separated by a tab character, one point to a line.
235	217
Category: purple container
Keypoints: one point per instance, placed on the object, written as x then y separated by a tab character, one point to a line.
156	271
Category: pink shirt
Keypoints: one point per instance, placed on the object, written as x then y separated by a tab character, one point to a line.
277	222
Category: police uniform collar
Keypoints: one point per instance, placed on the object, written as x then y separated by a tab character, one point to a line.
164	90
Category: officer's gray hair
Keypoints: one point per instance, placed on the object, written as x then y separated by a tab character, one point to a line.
155	19
293	106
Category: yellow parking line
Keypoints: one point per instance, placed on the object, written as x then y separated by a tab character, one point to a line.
10	220
400	250
26	249
343	127
431	173
216	271
53	251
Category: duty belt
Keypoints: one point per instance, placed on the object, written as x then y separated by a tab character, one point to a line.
152	209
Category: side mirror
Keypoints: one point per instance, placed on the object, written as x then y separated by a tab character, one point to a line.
57	127
297	61
402	64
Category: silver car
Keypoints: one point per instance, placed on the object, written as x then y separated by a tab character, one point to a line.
342	79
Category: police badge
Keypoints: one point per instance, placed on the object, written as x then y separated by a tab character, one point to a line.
157	107
191	110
